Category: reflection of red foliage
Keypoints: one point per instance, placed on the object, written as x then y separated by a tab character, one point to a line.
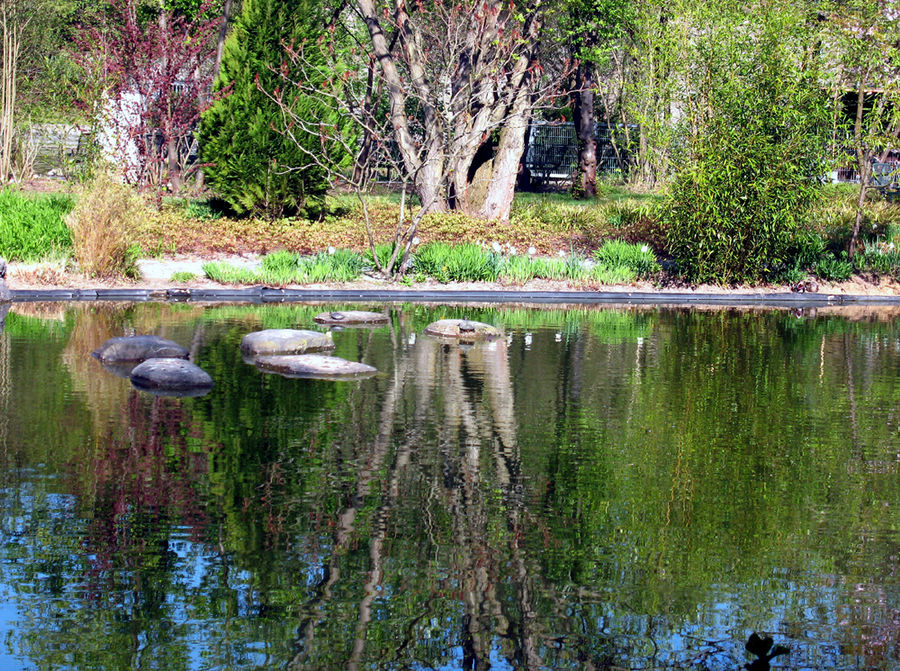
143	481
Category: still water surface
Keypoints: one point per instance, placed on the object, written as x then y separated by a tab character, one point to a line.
602	488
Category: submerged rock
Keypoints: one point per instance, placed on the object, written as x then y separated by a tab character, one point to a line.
138	348
284	341
171	377
351	318
4	290
462	329
317	366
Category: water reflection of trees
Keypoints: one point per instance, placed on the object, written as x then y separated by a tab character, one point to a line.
568	503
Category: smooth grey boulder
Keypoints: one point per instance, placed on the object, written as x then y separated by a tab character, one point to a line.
4	290
351	318
138	348
462	329
284	341
3	310
316	366
171	377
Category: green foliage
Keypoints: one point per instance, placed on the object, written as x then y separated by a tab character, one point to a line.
253	164
32	228
618	254
746	175
183	276
457	263
879	257
201	209
383	252
829	267
283	267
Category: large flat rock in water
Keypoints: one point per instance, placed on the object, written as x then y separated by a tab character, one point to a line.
139	348
462	329
351	318
317	366
175	377
284	341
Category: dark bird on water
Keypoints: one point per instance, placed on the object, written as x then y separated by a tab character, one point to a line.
760	647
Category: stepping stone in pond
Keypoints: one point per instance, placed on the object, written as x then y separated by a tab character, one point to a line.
138	348
284	341
462	329
171	377
351	318
317	366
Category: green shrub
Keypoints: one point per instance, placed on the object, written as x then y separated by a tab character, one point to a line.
607	275
183	276
283	267
748	156
879	257
252	163
639	259
201	209
791	275
519	269
33	227
226	274
834	269
457	263
383	252
807	249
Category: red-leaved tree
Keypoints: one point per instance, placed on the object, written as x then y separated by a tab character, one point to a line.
149	80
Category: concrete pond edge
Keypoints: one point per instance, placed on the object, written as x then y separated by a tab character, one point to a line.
261	295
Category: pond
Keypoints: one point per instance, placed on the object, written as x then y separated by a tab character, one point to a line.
605	488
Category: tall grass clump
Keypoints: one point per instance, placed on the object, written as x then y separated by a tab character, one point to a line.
285	267
879	256
457	263
101	224
639	259
33	227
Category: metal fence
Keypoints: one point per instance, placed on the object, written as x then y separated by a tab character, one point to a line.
551	153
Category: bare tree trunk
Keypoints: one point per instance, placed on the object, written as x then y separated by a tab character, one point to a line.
396	94
511	145
584	131
12	22
505	165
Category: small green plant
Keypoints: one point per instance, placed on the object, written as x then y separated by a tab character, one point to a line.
879	257
611	275
791	275
834	269
519	269
201	209
283	267
224	273
33	227
639	259
183	276
457	263
383	252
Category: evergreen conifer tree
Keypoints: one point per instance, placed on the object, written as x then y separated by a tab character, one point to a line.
252	166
